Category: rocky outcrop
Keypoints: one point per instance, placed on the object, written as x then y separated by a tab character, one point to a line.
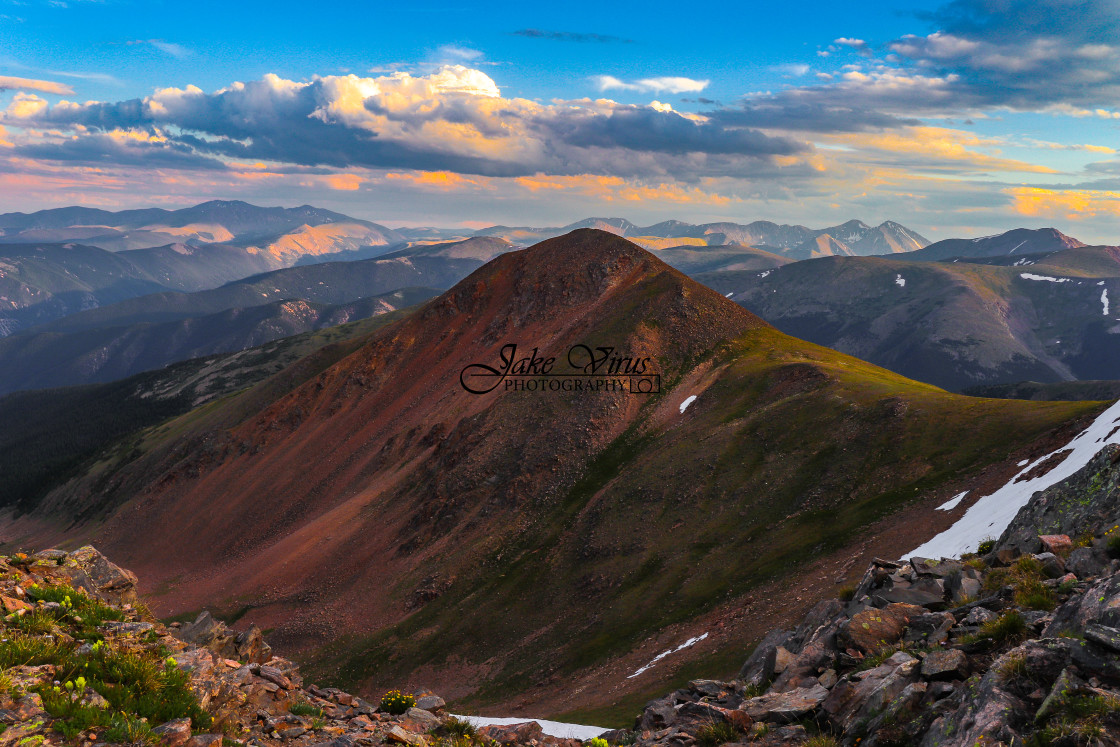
1020	646
73	616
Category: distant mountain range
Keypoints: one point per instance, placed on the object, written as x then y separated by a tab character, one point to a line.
853	238
1045	317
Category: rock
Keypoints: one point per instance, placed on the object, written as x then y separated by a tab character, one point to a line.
12	604
978	616
657	715
1100	605
514	733
419	720
1088	500
1103	635
1052	565
821	615
275	676
871	629
430	703
785	707
1086	562
400	736
860	697
782	659
89	570
758	669
205	740
929	629
828	679
945	665
173	733
925	592
1058	544
818	654
938	568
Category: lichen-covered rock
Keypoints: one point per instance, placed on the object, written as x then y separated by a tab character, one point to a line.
785	707
1087	501
872	629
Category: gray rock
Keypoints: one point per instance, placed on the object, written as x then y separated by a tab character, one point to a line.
758	669
1086	562
930	629
1052	565
785	707
945	665
430	702
1088	500
173	733
1104	636
863	695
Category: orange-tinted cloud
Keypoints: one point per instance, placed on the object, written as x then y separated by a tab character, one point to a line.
1071	204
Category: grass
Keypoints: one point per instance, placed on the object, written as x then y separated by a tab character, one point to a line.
1081	720
1027	578
305	709
1009	627
713	735
140	687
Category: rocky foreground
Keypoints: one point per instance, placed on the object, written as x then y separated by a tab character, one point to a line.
1018	644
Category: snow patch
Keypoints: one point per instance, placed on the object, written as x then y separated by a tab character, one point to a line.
1104	300
687	402
1032	276
1017	246
556	729
764	274
666	652
900	280
952	503
990	515
728	295
1023	463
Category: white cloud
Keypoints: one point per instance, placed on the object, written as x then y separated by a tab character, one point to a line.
11	83
667	84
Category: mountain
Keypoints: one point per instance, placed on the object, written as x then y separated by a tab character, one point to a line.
436	266
853	237
393	526
42	443
218	221
955	325
695	260
1018	241
107	353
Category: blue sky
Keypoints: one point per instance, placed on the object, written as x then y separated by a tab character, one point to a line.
954	118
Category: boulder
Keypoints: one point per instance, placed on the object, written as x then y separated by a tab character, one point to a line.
945	665
758	669
1052	565
400	736
89	570
862	695
930	629
1058	544
1100	605
785	707
514	733
173	733
870	630
1086	562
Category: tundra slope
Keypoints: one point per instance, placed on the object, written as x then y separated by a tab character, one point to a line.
392	526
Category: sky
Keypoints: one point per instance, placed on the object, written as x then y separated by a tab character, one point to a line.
963	118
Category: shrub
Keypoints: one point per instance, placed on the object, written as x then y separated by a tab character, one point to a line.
986	546
305	709
846	593
1004	629
461	728
713	735
822	740
1035	595
393	702
597	742
1112	546
126	730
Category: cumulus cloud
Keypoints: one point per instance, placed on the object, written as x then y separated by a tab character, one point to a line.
857	45
11	83
453	120
668	84
1024	54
